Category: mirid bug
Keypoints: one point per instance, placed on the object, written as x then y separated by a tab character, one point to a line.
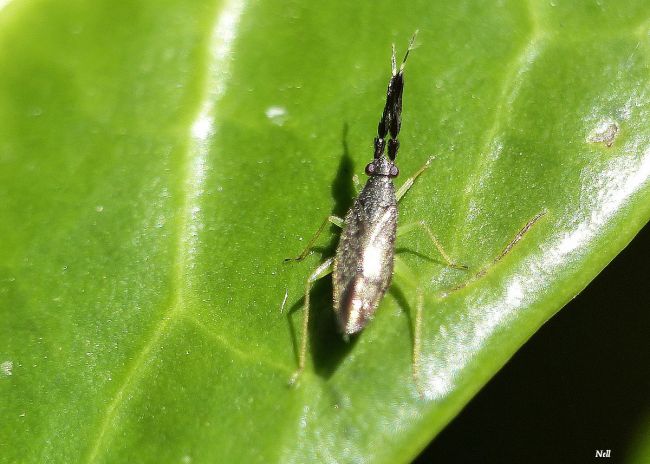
362	267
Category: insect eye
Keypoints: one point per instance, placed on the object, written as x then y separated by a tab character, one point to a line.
370	169
394	171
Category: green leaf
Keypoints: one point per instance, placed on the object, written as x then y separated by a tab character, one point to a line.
577	383
158	160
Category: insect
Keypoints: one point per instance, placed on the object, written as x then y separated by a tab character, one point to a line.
362	267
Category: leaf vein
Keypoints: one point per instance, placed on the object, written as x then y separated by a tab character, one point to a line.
243	355
510	88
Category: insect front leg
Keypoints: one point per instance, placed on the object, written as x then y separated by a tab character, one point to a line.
337	221
321	271
423	225
408	183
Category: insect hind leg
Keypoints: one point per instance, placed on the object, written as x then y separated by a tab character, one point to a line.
506	250
321	271
404	275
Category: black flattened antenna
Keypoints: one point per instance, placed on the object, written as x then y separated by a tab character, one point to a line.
391	118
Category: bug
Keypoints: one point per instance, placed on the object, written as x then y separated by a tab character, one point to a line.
363	265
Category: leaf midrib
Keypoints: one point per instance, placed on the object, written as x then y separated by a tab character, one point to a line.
201	133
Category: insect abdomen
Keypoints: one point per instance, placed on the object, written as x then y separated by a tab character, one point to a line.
363	266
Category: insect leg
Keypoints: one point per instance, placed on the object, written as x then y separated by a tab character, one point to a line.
321	271
404	275
409	182
518	236
421	224
337	221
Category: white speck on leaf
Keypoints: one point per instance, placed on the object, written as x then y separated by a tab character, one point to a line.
276	114
7	368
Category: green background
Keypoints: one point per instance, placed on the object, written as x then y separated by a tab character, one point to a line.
158	160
